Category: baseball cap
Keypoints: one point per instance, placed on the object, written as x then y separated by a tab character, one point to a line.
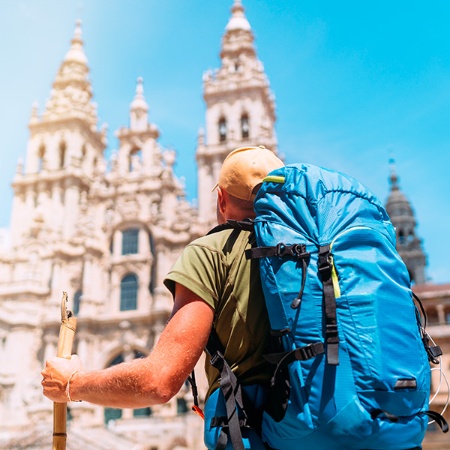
244	169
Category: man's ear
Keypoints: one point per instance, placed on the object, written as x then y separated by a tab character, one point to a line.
221	199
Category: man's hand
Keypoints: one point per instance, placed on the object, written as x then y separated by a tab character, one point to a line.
141	382
56	374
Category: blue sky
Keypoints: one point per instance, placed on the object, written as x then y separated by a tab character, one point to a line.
356	83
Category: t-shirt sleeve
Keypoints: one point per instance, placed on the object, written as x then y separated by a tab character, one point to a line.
202	270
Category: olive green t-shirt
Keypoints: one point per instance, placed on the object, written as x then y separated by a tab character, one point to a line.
215	268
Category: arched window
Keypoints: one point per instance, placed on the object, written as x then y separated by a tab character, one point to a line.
245	127
142	412
76	301
112	414
447	316
41	156
135	160
130	241
128	292
62	154
222	129
182	407
152	285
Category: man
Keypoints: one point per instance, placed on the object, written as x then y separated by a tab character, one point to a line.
213	285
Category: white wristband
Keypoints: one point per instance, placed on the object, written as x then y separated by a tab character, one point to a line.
68	385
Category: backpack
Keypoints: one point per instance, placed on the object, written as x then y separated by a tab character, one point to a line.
349	347
352	370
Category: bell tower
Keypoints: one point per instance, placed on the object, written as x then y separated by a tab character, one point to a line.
240	107
409	245
63	150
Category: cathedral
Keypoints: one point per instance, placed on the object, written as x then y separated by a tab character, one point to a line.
107	230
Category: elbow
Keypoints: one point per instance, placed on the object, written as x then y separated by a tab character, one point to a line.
165	396
162	392
168	390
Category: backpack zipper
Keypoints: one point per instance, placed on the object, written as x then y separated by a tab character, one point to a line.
334	275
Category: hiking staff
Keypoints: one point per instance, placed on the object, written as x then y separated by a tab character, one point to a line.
65	341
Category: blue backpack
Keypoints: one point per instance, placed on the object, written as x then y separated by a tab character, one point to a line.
352	367
349	347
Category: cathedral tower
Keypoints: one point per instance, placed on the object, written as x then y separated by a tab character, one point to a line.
408	244
106	231
63	150
240	108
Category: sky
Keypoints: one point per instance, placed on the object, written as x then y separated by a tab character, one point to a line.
356	83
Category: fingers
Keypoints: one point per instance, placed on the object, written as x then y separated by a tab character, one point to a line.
53	386
55	375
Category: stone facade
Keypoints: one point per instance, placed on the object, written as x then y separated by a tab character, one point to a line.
101	231
436	301
107	231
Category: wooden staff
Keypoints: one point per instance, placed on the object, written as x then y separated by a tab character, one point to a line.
65	341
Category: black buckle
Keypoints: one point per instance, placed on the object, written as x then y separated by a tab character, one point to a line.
283	249
324	262
433	353
217	361
298	250
325	265
309	351
332	333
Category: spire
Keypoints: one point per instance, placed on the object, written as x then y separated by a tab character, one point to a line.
397	202
238	21
139	102
34	117
393	177
238	38
71	94
401	214
76	52
139	108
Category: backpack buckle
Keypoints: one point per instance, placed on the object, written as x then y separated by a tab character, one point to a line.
300	251
217	361
282	249
433	353
309	351
332	333
325	261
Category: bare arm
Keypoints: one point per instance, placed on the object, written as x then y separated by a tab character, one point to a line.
141	382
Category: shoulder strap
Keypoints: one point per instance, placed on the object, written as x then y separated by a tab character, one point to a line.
229	384
232	393
246	224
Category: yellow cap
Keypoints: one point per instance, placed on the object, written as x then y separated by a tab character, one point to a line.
244	170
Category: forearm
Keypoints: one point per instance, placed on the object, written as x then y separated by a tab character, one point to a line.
141	382
152	380
128	385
